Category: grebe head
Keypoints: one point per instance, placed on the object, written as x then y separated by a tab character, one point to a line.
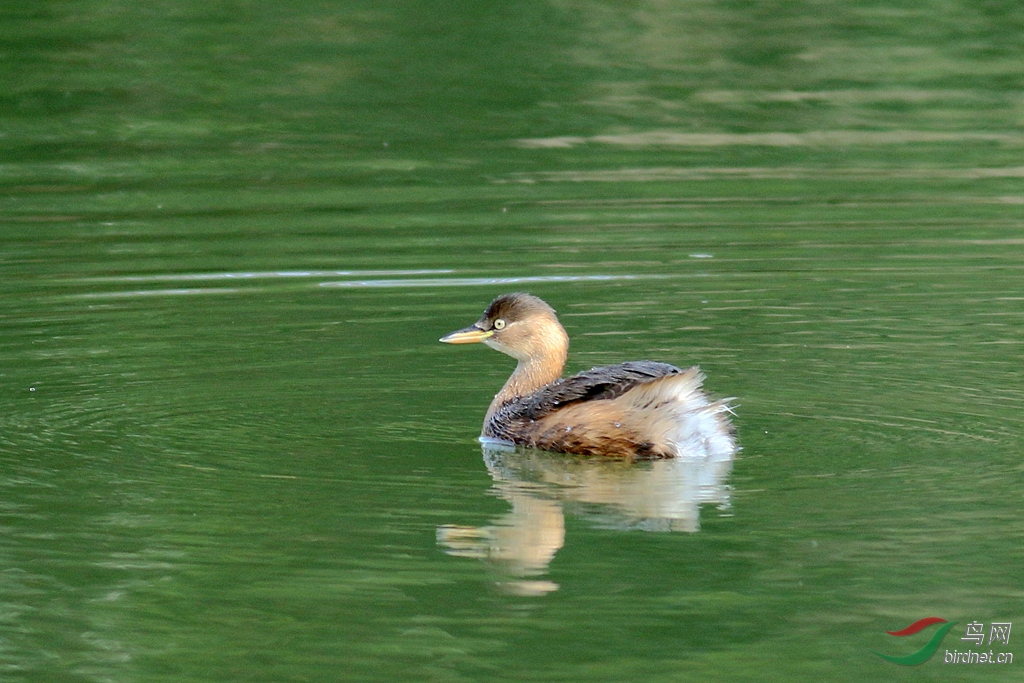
520	325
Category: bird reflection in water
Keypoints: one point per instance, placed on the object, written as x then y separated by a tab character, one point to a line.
657	495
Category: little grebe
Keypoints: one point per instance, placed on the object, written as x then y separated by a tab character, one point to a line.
636	410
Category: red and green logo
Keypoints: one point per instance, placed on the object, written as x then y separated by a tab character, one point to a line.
926	652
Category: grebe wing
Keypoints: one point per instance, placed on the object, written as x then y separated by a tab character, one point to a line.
605	382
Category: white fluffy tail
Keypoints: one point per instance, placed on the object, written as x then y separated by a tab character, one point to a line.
680	417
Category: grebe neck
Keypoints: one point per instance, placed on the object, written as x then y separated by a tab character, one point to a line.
536	370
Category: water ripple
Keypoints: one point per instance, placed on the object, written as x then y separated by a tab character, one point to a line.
174	277
826	138
477	281
157	292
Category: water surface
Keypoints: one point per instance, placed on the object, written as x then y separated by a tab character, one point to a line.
231	447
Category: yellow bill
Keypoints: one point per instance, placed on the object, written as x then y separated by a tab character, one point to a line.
467	335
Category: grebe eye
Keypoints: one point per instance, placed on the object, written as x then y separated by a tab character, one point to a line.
499	324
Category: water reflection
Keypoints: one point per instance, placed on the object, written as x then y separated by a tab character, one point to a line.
660	495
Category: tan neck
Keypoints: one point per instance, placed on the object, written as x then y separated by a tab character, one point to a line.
540	368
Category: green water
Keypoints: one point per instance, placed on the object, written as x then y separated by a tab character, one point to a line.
231	448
